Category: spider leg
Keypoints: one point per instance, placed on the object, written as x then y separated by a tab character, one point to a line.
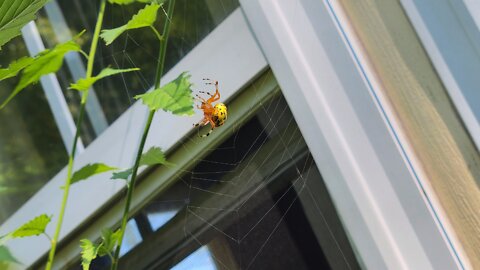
202	122
210	81
216	95
208	121
203	92
200	98
206	135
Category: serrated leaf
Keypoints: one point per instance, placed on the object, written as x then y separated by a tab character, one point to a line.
35	226
90	170
45	62
145	17
127	2
85	83
89	253
153	156
15	67
175	97
6	255
122	175
16	14
109	241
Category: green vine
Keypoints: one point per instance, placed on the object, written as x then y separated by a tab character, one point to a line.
71	159
160	65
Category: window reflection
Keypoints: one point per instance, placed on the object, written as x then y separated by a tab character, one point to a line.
132	237
31	148
192	21
199	260
158	219
255	202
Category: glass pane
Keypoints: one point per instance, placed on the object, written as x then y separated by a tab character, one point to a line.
192	21
31	148
199	260
255	202
132	237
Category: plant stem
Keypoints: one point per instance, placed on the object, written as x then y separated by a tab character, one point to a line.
131	186
71	157
156	33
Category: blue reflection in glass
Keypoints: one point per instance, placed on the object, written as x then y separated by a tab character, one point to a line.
199	260
132	237
159	219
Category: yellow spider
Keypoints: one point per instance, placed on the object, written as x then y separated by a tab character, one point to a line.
215	115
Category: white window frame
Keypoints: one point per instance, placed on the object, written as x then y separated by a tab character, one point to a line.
392	218
53	92
229	54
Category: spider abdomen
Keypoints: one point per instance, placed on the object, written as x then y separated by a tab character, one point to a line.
219	114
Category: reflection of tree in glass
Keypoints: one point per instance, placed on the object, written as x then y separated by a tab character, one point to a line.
31	149
192	21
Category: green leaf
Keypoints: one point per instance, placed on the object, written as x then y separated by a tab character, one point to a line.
109	241
144	18
123	174
153	156
15	67
85	83
127	2
6	255
90	170
175	97
45	62
89	252
14	15
35	226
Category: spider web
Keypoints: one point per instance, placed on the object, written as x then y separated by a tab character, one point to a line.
256	201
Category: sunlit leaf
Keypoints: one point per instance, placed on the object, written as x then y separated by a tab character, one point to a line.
90	170
153	156
89	253
84	83
127	2
109	241
144	18
6	255
175	97
122	175
15	67
14	15
45	62
35	226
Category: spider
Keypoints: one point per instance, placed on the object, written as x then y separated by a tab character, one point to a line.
215	115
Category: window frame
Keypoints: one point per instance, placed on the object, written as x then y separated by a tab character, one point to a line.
393	220
86	198
53	91
375	181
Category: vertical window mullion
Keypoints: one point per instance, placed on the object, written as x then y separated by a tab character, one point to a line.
77	69
53	92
